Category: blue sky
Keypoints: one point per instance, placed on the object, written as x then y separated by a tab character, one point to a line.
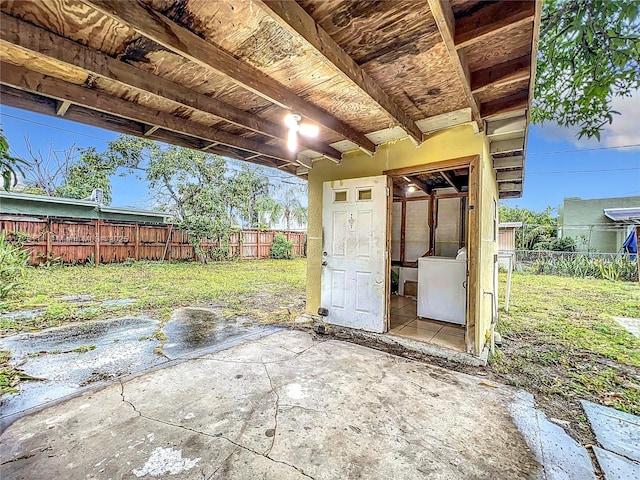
558	165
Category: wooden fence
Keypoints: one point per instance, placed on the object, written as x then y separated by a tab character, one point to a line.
104	241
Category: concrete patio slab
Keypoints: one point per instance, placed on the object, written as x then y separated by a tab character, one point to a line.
616	467
286	406
616	431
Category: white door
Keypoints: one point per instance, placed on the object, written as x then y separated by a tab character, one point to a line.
354	276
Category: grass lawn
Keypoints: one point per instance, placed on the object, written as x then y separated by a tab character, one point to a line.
266	289
562	345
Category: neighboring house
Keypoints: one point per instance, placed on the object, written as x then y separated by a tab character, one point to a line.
25	204
421	111
598	224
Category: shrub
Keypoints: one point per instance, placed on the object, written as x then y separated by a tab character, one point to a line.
616	268
281	248
13	262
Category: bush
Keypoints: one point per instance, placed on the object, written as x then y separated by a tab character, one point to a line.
13	262
281	248
582	266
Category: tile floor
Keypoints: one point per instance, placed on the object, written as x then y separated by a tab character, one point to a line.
405	323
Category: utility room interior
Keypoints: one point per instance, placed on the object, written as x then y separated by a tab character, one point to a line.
428	257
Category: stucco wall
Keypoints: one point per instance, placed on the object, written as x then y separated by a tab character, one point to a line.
586	218
487	201
449	144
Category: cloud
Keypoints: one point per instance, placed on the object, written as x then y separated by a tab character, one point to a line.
623	131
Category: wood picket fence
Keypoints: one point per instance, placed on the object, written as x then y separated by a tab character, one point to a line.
78	241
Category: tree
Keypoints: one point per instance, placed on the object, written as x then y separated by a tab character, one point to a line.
538	228
589	54
293	209
71	173
10	166
248	187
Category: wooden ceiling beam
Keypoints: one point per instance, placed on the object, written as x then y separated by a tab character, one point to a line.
510	187
516	161
507	146
182	41
30	38
62	108
150	129
449	179
493	19
24	79
513	102
293	18
509	176
443	14
501	75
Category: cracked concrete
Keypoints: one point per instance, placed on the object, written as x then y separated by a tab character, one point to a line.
286	406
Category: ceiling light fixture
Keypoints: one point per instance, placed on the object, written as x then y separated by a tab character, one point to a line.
292	121
411	187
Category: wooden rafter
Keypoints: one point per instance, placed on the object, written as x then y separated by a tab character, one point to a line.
500	75
449	179
47	106
62	108
516	161
443	14
30	38
492	19
150	129
293	18
516	101
509	176
162	30
24	79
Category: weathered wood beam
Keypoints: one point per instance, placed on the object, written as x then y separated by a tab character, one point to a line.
211	145
501	75
182	41
507	126
32	39
506	146
517	161
511	103
48	106
62	108
293	18
495	18
421	185
517	194
449	179
510	187
509	176
150	129
24	79
443	14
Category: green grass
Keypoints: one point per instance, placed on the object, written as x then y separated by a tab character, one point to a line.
267	289
562	344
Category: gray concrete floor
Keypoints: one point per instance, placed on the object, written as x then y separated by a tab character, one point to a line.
289	406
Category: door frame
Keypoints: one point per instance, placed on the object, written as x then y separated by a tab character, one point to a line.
473	234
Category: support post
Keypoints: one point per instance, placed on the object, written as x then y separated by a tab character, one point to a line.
403	233
48	247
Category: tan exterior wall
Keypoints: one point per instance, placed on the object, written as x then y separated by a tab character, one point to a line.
488	229
445	145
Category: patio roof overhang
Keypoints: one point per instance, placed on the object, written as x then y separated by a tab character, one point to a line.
220	76
624	215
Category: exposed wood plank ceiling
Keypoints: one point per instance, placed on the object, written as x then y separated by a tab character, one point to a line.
220	76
